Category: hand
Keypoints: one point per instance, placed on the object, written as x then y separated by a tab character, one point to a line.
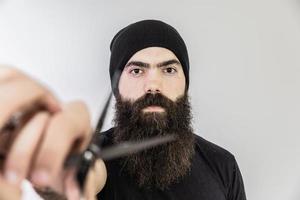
42	145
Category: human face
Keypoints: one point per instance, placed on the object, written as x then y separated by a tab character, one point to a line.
152	70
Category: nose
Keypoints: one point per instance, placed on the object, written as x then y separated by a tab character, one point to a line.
153	83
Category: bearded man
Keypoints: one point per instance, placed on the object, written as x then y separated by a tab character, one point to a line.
152	99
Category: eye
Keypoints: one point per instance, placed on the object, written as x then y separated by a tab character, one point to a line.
136	71
169	70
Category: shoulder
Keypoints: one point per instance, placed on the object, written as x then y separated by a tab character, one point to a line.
223	166
212	151
219	160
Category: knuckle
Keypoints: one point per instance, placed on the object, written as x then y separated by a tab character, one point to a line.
80	105
8	72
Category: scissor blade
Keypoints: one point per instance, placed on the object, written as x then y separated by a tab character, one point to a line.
127	148
103	114
104	111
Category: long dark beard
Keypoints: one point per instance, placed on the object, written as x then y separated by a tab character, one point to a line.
163	165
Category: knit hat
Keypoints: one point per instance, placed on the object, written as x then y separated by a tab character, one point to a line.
141	35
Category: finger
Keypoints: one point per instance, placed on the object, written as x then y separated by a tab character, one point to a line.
8	72
67	129
22	151
100	175
94	183
21	93
89	192
71	187
95	180
8	191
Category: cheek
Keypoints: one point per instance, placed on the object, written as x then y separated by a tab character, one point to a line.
130	88
174	88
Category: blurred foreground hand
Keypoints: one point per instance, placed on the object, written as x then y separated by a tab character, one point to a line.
41	146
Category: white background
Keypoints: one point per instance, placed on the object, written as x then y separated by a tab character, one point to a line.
245	69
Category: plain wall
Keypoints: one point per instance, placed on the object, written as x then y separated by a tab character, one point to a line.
245	69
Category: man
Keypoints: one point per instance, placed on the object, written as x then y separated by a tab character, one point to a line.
152	100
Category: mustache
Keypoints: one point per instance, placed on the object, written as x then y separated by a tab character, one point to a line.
149	99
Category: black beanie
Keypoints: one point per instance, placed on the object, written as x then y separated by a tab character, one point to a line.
141	35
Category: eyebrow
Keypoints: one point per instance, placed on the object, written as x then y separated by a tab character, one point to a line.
168	62
138	63
146	65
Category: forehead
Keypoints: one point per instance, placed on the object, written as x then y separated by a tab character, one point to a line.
153	55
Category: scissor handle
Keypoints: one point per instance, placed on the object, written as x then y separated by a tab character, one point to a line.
87	160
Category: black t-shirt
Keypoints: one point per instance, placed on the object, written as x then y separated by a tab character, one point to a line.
214	175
